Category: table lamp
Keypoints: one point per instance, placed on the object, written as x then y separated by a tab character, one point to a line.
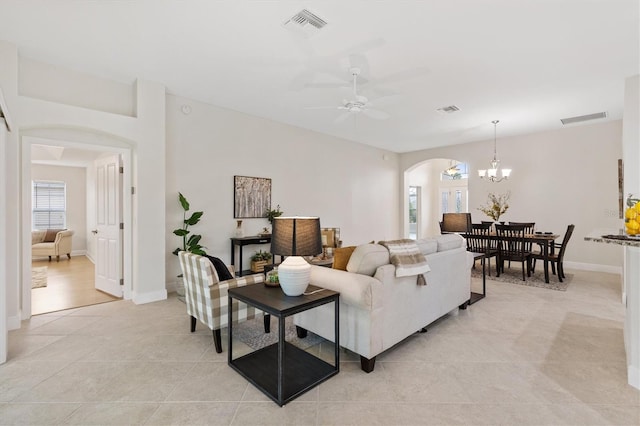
295	237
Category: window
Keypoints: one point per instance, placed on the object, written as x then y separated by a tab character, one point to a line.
413	211
48	205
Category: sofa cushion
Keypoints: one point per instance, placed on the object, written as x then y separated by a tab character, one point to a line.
341	257
366	258
427	245
38	236
50	236
449	241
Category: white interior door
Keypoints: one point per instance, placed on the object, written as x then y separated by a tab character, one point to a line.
108	233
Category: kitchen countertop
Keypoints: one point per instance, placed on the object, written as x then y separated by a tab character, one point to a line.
612	236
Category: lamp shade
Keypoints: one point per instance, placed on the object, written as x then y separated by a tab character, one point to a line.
296	236
456	222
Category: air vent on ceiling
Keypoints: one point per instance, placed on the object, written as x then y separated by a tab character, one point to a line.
448	109
305	22
581	118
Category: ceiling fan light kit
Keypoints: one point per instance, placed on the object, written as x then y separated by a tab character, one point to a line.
491	174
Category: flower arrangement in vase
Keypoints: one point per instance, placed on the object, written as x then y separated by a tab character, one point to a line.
496	206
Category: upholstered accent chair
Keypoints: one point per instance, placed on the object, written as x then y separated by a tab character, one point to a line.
51	242
206	296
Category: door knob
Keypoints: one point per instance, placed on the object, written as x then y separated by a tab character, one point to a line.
95	231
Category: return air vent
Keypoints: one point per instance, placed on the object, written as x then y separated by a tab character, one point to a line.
448	109
581	118
305	23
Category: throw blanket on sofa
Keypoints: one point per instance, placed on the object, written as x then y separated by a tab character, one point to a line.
407	258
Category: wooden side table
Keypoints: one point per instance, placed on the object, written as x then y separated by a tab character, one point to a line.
281	370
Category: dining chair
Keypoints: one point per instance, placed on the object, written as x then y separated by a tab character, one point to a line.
479	240
556	258
528	230
206	296
512	247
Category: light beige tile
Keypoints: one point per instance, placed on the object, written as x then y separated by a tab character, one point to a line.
194	413
198	384
20	376
112	414
268	413
35	414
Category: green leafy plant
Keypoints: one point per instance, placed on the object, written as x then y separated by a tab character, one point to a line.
496	206
190	243
271	214
261	255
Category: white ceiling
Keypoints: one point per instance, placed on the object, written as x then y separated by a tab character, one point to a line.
527	63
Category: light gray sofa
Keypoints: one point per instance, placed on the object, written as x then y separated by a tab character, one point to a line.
377	309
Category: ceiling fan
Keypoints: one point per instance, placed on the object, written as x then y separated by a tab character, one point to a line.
357	104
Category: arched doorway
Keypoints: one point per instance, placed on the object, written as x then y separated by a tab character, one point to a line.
433	187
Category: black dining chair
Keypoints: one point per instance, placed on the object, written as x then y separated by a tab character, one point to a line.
556	258
512	247
529	228
479	240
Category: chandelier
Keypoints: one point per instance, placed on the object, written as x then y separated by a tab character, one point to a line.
492	173
452	171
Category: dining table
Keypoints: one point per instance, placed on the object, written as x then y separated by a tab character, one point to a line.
544	239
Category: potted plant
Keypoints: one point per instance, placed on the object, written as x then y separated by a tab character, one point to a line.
259	260
271	214
190	243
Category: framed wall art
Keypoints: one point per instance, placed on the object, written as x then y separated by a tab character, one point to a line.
251	197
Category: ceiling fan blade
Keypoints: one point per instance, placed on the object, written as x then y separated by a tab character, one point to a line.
384	100
342	117
402	75
323	107
376	114
361	47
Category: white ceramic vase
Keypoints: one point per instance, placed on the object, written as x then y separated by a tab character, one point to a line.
294	275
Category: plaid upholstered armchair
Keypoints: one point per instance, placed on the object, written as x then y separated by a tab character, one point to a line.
206	295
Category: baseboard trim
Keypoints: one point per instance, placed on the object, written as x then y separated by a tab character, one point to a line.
152	296
633	376
593	267
78	253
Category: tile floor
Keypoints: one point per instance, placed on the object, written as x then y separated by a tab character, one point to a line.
521	356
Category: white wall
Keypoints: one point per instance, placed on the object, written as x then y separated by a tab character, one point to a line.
61	85
3	248
631	149
75	180
348	185
559	177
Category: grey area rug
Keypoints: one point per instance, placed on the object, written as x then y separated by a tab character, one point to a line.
38	276
252	334
513	275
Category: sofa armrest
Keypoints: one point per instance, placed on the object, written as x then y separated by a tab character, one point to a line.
358	290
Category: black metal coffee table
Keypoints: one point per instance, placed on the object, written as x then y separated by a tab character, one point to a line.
281	370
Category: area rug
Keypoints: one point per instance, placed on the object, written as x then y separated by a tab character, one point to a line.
38	276
513	275
252	334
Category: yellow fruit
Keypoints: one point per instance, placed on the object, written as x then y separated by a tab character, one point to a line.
630	213
633	227
637	207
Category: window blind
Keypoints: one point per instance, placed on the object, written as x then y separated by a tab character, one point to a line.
49	205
